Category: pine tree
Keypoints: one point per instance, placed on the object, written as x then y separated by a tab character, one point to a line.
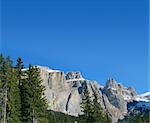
19	71
14	102
1	88
34	103
20	75
92	110
99	115
6	78
87	108
25	102
10	93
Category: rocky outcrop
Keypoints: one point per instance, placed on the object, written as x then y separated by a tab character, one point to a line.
114	93
64	93
114	99
73	75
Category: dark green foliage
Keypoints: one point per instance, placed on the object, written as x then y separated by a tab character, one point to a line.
20	75
19	72
13	104
58	117
98	113
21	94
10	99
34	104
92	110
22	98
1	87
138	118
87	108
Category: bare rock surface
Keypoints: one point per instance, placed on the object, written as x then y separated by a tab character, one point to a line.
64	93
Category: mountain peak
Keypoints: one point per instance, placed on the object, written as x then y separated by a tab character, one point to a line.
73	75
64	93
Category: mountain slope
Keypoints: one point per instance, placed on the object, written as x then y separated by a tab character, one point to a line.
64	92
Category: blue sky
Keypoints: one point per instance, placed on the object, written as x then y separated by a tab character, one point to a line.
100	38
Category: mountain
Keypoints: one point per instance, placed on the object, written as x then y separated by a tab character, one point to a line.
138	110
144	97
64	92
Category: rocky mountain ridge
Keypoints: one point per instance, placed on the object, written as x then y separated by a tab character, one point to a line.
64	93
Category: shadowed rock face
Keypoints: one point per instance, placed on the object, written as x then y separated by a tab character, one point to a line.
64	93
73	75
114	94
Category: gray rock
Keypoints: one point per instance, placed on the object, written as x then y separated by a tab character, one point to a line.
73	75
113	92
64	93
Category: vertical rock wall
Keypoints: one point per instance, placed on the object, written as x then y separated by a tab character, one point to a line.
64	93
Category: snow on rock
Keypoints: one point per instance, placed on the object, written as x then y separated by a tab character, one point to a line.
25	69
43	68
48	69
145	94
127	97
140	102
143	97
64	93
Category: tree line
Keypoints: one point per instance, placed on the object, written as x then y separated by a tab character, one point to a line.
21	93
92	110
22	98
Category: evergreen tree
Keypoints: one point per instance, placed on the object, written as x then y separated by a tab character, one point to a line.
10	93
19	71
136	117
25	102
5	79
87	108
20	78
99	115
14	102
34	102
1	87
92	110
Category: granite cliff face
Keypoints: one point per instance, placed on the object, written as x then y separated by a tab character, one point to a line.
64	93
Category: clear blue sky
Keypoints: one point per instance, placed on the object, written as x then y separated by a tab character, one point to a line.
100	38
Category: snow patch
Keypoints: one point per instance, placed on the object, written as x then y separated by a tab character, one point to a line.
47	69
114	89
51	71
127	97
142	99
145	94
43	68
25	69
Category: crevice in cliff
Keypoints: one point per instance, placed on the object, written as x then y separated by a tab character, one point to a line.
49	80
68	101
105	104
